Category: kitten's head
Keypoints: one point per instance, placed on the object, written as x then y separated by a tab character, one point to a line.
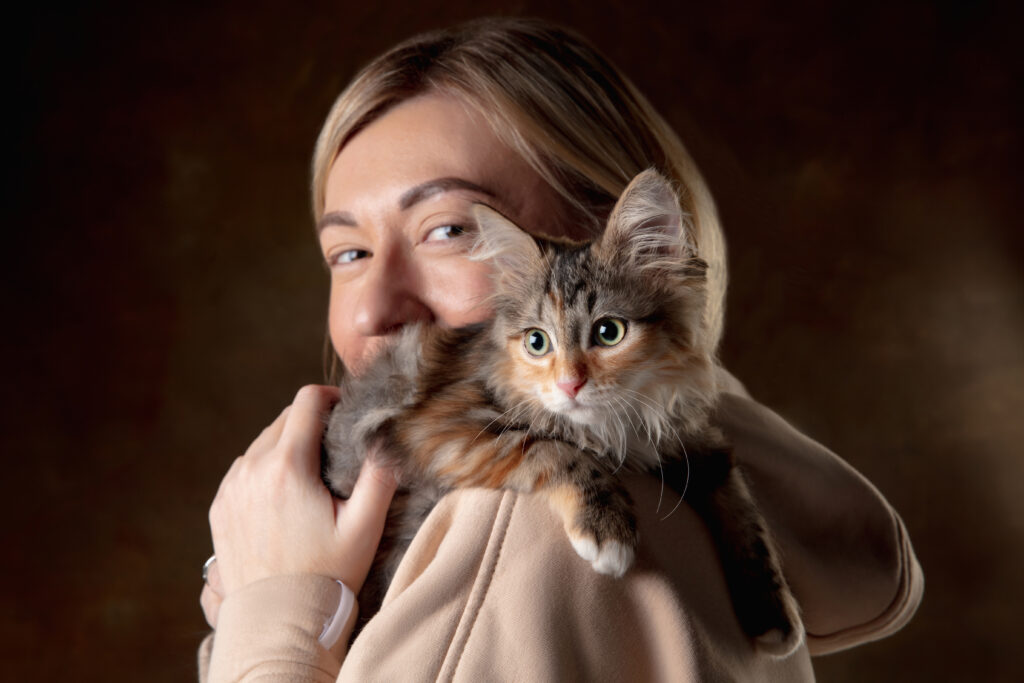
608	333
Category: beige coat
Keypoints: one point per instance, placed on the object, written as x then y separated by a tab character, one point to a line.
491	590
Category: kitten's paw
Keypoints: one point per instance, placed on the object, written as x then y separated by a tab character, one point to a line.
585	547
787	633
599	520
611	557
779	642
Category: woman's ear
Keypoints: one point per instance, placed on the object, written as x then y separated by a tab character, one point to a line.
647	225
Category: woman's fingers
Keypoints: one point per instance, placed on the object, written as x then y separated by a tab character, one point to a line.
304	426
213	579
212	595
273	516
269	437
210	601
367	507
360	521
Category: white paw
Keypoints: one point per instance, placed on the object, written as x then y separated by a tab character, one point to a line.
611	557
585	547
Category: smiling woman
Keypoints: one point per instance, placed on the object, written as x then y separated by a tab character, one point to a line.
531	121
398	203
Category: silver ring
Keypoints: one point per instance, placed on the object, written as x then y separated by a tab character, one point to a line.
206	568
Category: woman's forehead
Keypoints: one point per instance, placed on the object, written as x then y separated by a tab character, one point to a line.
430	138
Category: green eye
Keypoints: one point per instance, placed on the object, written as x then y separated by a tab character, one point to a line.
609	331
537	342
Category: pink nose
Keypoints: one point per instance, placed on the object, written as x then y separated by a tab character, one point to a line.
571	386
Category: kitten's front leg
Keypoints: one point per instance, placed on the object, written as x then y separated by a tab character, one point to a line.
764	604
596	509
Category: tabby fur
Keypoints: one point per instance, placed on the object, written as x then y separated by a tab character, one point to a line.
473	407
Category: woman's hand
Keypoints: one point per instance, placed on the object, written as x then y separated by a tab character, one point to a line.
273	516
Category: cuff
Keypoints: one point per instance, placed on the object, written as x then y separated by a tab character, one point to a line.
281	626
905	603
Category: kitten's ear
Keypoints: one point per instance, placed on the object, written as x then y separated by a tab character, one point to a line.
647	225
513	251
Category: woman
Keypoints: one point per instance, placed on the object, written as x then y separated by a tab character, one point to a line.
532	121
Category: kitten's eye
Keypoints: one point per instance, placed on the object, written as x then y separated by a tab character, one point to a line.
445	232
537	342
609	331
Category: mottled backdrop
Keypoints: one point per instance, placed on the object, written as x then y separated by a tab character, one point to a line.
163	295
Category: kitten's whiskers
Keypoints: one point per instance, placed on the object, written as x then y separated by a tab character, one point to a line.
622	441
621	401
658	428
656	417
686	485
639	417
661	470
484	429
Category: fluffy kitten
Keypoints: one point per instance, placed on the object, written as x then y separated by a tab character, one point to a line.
595	359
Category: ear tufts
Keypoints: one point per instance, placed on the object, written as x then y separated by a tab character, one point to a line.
647	225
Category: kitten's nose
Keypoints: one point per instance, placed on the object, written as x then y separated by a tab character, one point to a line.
571	386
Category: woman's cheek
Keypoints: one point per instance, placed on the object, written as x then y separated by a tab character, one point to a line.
460	292
336	331
349	345
455	290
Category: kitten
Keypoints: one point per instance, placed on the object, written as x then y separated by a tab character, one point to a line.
595	360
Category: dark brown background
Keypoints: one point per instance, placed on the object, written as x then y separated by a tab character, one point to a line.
164	299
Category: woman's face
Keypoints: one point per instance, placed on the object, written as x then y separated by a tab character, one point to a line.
398	225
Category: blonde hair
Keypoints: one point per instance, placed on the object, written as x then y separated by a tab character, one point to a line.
551	96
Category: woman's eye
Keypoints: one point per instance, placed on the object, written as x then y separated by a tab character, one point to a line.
445	232
537	342
349	255
609	331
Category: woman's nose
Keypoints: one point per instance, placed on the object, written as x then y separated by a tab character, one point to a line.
391	296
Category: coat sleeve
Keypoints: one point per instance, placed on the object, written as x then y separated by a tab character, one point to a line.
269	631
845	550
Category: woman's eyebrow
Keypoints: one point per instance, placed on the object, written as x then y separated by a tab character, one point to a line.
335	218
408	199
432	187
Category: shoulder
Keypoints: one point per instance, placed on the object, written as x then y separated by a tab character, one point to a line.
492	589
